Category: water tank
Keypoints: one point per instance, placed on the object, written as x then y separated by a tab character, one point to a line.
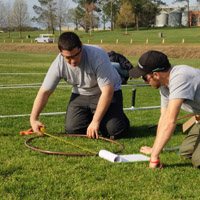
161	19
184	19
175	18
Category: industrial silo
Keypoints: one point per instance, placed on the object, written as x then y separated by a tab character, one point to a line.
174	18
162	19
184	19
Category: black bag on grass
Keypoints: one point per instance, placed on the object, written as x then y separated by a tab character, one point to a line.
124	63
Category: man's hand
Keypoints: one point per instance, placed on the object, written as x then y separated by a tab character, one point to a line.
36	125
92	130
102	107
155	164
146	150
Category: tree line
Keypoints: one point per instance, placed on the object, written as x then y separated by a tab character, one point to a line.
49	14
13	17
88	14
118	13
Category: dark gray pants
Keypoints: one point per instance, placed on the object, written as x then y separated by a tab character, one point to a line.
81	109
190	148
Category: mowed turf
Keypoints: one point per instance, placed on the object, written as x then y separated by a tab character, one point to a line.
27	174
170	35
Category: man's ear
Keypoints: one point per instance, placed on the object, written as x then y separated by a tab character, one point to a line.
156	75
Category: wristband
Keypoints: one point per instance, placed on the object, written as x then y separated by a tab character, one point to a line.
155	162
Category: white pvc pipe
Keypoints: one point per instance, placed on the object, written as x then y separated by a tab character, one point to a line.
61	113
27	115
135	81
25	84
18	87
141	108
21	73
31	86
3	87
132	108
136	85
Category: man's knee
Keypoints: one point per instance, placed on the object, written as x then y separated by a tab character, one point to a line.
196	159
116	127
186	151
77	121
69	126
74	128
190	143
196	154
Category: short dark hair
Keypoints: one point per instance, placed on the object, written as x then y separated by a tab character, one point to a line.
68	41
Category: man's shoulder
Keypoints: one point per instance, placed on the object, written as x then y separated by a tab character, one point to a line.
95	54
93	48
182	68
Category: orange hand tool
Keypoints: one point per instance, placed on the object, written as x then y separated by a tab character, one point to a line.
28	132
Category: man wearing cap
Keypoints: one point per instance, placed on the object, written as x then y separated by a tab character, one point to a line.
179	88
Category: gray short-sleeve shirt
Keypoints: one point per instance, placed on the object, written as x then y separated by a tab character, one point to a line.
184	83
93	72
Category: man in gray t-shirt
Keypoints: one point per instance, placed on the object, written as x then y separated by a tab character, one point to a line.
96	104
179	88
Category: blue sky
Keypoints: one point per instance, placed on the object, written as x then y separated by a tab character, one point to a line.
169	2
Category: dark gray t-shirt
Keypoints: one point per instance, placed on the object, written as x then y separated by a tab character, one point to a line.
184	83
93	72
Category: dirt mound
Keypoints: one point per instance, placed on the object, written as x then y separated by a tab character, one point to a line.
173	51
29	47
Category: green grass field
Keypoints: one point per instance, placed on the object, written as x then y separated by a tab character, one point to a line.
30	175
170	35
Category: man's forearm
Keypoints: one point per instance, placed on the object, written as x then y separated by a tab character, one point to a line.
39	103
103	103
102	107
164	132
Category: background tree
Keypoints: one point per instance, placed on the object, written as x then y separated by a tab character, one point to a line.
125	16
109	9
91	16
86	21
149	12
104	20
61	13
87	9
2	20
139	7
7	15
74	16
47	14
20	15
188	8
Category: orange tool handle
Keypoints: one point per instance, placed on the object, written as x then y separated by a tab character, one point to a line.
28	132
